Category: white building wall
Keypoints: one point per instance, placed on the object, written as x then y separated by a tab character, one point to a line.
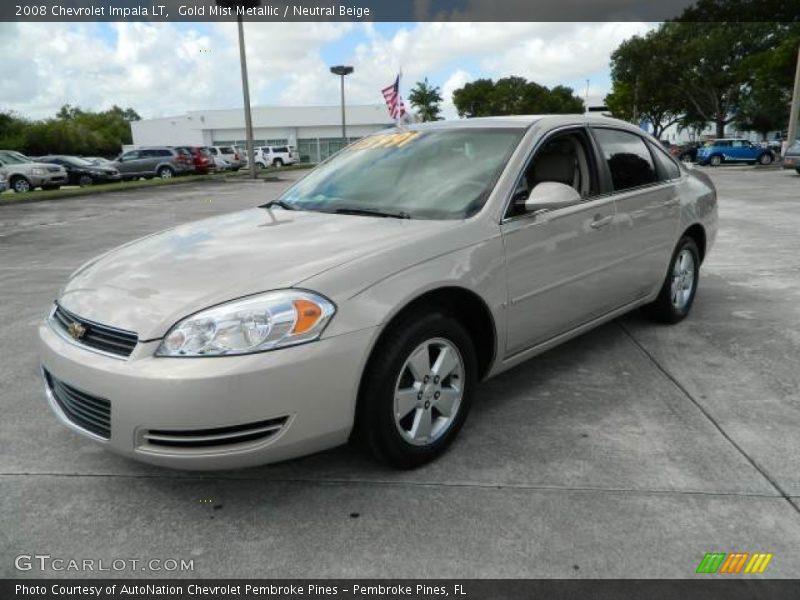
290	123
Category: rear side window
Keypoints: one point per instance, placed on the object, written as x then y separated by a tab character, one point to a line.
280	149
667	169
227	150
627	157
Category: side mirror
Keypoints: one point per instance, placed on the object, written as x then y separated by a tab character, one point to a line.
551	195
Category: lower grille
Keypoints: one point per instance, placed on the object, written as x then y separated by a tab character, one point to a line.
84	410
209	438
94	335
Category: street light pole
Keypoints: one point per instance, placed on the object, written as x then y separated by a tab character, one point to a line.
248	117
342	70
795	109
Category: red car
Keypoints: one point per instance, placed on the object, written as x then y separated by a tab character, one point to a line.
201	158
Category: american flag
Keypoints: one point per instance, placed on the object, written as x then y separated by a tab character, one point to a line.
393	100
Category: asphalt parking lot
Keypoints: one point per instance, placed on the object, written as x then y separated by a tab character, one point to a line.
628	452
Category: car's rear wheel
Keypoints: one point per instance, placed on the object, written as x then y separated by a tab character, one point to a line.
715	160
166	173
676	297
277	162
20	185
765	159
686	157
85	180
417	389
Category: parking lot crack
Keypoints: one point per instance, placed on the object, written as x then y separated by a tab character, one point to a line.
669	376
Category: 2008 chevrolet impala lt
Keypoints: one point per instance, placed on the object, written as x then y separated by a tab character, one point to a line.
369	299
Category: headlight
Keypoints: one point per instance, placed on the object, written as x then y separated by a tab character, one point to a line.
254	324
38	171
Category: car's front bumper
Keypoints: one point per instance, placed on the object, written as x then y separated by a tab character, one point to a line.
312	388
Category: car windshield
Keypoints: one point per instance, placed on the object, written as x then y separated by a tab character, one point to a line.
434	174
14	158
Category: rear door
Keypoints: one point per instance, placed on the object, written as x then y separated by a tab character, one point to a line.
644	180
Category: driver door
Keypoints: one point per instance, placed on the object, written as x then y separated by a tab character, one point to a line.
562	265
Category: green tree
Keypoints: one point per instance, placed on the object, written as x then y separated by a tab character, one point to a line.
513	96
705	67
72	131
640	71
427	100
474	99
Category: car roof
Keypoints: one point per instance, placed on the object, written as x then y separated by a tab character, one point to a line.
524	121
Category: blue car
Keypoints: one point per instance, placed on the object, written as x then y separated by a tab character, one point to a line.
716	152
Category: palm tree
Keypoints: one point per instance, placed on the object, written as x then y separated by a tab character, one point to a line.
426	99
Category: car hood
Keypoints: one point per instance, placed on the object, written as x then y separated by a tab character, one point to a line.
147	285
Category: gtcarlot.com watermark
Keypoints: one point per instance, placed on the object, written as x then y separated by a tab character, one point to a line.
46	562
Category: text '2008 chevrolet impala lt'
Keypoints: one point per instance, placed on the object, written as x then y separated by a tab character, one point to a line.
370	298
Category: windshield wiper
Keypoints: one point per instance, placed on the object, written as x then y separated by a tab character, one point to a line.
282	203
372	212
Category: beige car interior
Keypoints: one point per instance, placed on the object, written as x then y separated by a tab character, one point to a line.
562	159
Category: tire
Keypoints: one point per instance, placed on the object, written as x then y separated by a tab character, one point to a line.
674	303
20	184
398	440
797	170
765	159
715	160
85	180
277	162
686	157
166	173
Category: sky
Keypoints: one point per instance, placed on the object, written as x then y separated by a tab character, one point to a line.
162	69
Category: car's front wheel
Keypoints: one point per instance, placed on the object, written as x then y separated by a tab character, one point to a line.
715	160
417	389
20	185
676	297
166	173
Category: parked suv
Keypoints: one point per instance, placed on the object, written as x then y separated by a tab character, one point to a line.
276	156
152	161
25	174
716	152
229	154
202	159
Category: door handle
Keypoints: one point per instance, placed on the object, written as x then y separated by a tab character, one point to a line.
600	222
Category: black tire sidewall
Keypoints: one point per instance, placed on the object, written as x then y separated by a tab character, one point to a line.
376	403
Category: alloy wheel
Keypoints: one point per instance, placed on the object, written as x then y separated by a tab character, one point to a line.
429	391
683	279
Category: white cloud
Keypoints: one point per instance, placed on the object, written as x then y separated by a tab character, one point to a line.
169	68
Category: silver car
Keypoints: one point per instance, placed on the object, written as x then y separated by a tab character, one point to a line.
791	159
371	298
24	174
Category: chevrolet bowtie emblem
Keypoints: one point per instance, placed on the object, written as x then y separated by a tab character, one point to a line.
76	330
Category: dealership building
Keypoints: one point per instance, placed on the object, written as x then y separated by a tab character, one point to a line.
316	131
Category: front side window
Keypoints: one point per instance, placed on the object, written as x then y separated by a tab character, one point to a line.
428	174
627	157
130	155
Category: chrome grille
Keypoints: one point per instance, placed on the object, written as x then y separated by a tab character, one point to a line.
94	335
220	436
84	410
